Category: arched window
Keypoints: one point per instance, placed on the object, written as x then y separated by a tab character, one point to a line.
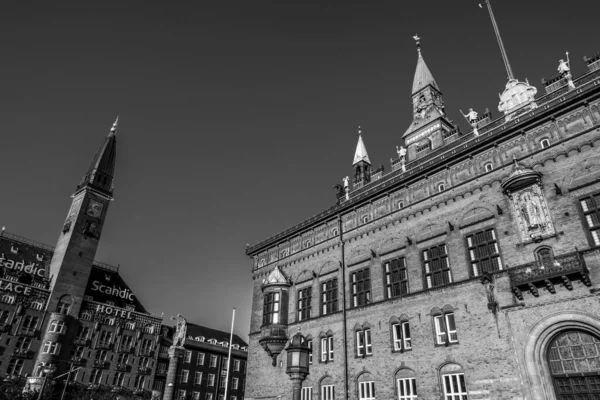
64	305
454	384
366	386
441	187
56	326
327	388
400	205
149	329
110	321
365	219
488	167
51	348
544	143
334	232
86	316
37	305
545	257
8	299
574	361
406	384
130	325
15	366
29	324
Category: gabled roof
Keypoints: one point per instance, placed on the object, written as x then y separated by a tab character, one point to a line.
361	152
276	277
423	76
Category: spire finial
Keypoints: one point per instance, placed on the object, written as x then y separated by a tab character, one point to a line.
113	130
418	42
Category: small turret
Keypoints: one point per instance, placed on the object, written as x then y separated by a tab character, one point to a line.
361	163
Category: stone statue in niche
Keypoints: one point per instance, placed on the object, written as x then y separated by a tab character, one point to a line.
531	212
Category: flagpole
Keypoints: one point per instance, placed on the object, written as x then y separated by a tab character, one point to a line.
229	355
499	38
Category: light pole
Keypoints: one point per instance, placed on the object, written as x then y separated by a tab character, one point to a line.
297	362
47	370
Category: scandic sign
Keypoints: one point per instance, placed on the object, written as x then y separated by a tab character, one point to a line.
112	290
31	268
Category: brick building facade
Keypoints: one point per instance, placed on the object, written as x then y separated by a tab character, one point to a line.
198	369
470	270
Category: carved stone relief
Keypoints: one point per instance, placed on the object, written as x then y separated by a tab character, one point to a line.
530	210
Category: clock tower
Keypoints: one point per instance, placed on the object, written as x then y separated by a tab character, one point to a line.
71	264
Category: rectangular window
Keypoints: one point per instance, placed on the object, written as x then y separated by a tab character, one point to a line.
327	392
234	383
197	378
327	349
591	212
181	394
455	387
401	336
445	328
195	395
213	361
222	383
271	308
361	287
209	396
396	278
407	389
329	297
211	380
366	390
236	365
304	299
363	343
187	358
184	375
484	253
200	360
436	266
310	354
306	393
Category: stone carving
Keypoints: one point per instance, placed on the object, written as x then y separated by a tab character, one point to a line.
402	156
471	117
180	331
565	71
531	211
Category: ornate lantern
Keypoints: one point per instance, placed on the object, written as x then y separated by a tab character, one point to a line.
297	362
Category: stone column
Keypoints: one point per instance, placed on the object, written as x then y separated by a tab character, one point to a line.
175	355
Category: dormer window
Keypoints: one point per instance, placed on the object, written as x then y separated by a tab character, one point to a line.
39	257
212	341
14	249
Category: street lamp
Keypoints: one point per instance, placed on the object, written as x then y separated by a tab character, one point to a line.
297	362
46	370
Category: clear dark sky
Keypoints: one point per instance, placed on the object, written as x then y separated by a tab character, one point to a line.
236	117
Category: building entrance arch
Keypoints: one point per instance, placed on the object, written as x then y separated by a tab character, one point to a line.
574	361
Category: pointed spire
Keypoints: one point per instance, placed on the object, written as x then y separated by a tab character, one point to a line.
423	76
113	130
101	171
361	151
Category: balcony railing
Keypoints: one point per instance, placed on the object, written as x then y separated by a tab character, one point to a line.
144	370
22	353
99	364
561	269
122	367
146	353
29	332
104	345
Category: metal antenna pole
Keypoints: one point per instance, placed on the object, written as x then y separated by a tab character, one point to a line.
229	355
499	38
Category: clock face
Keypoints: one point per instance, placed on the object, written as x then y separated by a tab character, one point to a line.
94	209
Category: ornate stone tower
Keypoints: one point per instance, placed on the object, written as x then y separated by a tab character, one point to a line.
74	254
430	126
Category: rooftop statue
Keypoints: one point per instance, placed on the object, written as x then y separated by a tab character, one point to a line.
565	71
471	117
180	331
